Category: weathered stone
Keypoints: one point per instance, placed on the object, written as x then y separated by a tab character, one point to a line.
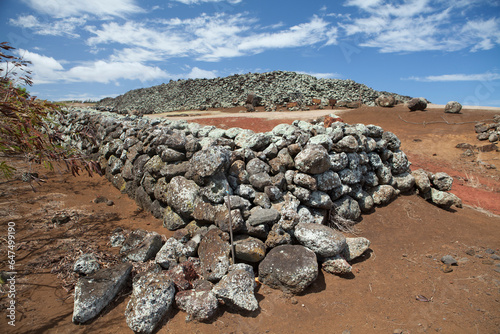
260	180
236	289
222	220
327	181
262	200
214	253
154	166
382	194
323	140
347	144
216	188
169	254
339	161
346	207
152	297
453	107
404	182
171	220
145	250
392	141
313	159
256	166
94	292
209	161
133	240
182	195
249	249
417	104
385	101
305	180
184	274
245	191
336	265
321	239
442	181
320	200
290	268
263	216
445	200
170	155
198	304
400	163
355	248
422	181
86	264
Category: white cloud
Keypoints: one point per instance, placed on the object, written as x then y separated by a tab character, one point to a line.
63	27
197	2
211	38
44	69
100	8
488	76
202	74
421	25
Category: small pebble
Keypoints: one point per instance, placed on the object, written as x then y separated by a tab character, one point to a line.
495	257
489	251
488	262
470	252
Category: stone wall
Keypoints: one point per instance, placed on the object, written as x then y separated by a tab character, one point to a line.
274	87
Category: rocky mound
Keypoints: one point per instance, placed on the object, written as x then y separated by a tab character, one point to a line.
273	87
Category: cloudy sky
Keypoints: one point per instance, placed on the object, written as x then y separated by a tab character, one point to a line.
442	50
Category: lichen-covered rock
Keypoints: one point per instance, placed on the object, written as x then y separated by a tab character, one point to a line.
400	163
314	159
321	239
323	140
453	107
338	161
182	195
94	292
290	268
214	252
404	182
256	165
200	305
171	220
347	144
86	264
216	188
346	207
152	297
320	200
145	250
305	180
422	181
442	181
444	199
327	181
392	141
249	249
209	161
336	265
385	101
236	289
382	194
263	216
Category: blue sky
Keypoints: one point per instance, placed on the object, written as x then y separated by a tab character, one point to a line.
442	50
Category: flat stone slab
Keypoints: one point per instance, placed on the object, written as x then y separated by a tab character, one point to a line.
94	292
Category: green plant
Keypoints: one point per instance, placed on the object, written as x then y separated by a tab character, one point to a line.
25	119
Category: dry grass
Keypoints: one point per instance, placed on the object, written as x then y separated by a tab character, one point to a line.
342	224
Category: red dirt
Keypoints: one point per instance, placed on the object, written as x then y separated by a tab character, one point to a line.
408	237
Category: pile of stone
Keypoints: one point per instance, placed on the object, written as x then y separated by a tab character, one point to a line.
274	88
489	131
278	192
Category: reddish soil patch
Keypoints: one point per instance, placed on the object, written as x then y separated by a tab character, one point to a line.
408	237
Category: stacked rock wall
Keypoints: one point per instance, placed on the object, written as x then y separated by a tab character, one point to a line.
274	87
183	171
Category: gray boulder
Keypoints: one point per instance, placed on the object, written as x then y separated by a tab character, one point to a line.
209	161
444	199
327	181
94	292
152	297
418	103
86	264
200	305
321	239
236	289
442	181
385	101
400	163
313	159
382	194
320	200
182	195
404	182
453	107
422	181
145	250
290	268
263	216
346	207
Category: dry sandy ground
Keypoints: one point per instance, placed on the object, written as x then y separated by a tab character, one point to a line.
409	236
